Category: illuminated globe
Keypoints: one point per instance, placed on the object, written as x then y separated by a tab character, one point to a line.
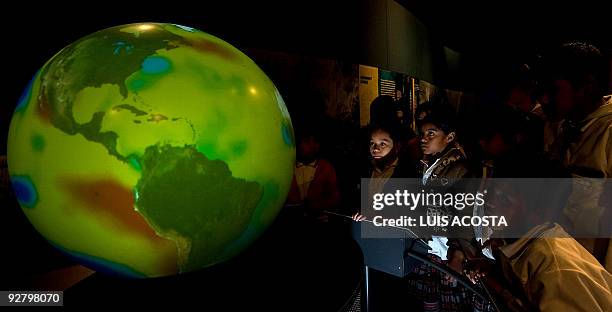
150	150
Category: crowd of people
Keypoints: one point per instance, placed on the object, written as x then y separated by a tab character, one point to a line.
553	123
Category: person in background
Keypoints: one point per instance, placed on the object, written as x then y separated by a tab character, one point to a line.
443	167
384	148
388	113
538	265
520	94
575	81
423	110
314	186
443	156
505	144
551	133
505	140
384	161
519	91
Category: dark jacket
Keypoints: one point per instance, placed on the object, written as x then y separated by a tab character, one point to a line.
451	174
451	165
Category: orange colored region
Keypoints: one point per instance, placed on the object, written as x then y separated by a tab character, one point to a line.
209	47
108	198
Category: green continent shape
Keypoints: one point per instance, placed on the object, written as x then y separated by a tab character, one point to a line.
195	201
91	62
91	131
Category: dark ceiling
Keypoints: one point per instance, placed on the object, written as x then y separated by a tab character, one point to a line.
477	26
326	28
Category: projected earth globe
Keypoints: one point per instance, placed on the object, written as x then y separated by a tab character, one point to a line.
149	150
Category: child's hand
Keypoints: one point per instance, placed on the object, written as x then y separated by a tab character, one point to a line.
358	217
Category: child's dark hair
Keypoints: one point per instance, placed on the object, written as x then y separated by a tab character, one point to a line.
442	119
574	61
383	110
391	129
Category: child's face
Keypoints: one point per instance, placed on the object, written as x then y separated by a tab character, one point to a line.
433	139
380	144
503	200
308	148
560	97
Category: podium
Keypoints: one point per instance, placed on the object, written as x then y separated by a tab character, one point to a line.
388	252
397	251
